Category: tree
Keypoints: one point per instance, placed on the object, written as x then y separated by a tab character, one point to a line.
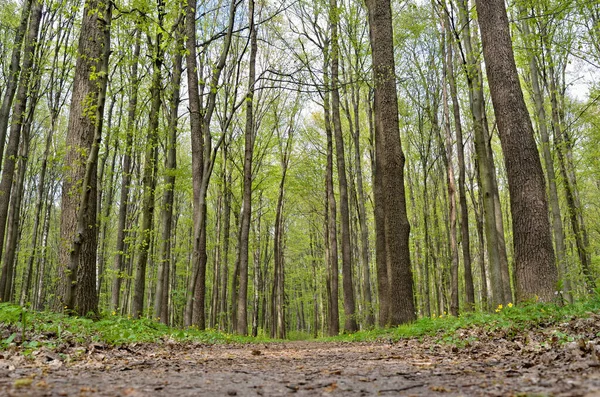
19	118
535	269
350	324
249	138
150	164
78	215
389	163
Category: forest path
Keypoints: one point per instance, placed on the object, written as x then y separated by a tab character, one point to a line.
410	367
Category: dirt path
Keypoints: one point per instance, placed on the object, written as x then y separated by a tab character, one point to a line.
495	368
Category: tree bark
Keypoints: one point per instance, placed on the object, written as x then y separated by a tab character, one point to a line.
162	279
126	175
462	196
12	147
485	163
78	222
249	138
150	168
536	273
350	324
390	165
557	225
13	77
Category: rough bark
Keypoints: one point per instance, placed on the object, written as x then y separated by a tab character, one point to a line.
557	225
485	163
78	220
390	161
536	273
378	212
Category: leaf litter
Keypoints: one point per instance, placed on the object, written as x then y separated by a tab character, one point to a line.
556	360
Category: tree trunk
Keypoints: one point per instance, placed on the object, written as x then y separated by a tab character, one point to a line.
126	175
78	223
485	163
13	77
462	197
350	324
12	147
150	168
249	138
557	225
390	165
536	273
333	325
162	280
450	181
378	212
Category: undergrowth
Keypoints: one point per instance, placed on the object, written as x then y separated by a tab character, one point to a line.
512	319
30	329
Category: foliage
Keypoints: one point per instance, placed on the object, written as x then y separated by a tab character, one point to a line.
52	329
510	320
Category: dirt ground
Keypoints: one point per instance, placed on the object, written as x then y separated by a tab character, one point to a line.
538	363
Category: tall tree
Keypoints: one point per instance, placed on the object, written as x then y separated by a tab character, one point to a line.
150	176
126	169
19	116
389	163
163	272
249	138
203	155
536	274
78	207
13	75
350	324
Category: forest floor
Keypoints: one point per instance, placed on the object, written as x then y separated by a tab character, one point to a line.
561	360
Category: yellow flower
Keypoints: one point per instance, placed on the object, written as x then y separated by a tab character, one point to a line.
509	305
114	313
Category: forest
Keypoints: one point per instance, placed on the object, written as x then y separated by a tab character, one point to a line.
273	167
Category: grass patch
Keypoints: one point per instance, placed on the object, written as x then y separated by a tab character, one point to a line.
34	329
30	330
512	319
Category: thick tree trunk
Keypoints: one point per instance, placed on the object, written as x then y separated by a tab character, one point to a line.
203	159
485	163
390	165
78	223
536	273
557	225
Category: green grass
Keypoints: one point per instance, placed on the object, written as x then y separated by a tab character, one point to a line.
512	319
31	330
50	329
